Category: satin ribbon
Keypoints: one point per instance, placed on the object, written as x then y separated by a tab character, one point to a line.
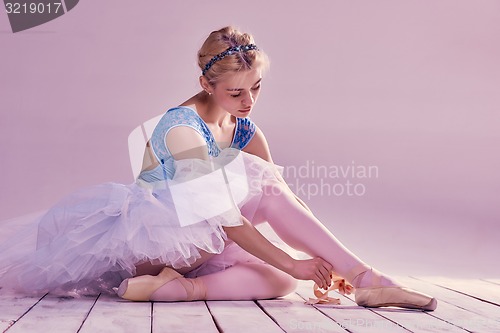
338	283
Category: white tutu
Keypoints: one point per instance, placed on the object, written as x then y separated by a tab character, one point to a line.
92	239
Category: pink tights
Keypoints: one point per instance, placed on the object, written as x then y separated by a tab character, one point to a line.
244	281
300	229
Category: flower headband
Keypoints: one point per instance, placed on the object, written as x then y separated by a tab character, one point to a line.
229	51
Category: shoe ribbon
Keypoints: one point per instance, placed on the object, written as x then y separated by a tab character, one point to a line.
338	283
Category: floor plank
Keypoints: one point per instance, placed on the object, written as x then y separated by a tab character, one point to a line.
463	311
292	315
54	314
350	316
483	290
472	304
456	312
241	316
417	321
13	307
174	317
465	319
111	314
495	281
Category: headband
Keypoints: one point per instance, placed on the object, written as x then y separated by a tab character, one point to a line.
229	51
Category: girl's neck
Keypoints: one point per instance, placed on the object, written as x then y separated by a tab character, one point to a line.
212	113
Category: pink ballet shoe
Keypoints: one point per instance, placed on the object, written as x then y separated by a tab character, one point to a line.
377	295
141	288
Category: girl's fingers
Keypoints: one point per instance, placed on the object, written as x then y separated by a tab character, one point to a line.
328	266
324	270
326	275
325	281
318	278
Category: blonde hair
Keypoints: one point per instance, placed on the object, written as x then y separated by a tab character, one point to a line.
218	42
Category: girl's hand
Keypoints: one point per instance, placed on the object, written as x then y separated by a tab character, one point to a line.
316	269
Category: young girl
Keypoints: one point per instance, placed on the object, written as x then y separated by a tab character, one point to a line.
185	230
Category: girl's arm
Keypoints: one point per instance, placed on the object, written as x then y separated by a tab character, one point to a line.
183	143
252	241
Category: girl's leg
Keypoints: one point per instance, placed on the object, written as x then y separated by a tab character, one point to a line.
244	281
300	229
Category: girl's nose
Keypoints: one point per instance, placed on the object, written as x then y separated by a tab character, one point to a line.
248	100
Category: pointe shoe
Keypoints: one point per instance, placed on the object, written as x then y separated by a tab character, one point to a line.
378	296
374	297
141	288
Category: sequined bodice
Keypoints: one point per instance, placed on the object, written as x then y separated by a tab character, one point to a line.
186	116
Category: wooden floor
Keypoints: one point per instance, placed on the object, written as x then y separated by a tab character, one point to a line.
464	306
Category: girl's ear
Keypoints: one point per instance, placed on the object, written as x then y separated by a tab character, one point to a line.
205	85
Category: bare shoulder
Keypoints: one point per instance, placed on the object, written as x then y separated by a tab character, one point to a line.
258	145
196	102
186	142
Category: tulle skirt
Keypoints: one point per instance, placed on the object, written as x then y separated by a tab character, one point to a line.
92	239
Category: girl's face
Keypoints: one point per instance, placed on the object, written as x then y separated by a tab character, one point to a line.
237	93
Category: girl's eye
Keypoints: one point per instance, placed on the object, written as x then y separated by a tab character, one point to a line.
256	88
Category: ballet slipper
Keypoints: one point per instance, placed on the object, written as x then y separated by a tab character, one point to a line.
195	288
141	288
377	295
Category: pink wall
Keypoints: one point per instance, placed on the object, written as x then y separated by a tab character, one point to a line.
410	87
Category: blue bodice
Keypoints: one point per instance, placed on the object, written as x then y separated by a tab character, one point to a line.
186	116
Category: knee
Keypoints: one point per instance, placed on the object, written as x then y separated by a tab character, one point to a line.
287	285
280	282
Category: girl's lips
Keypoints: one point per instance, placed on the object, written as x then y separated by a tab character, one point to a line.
245	110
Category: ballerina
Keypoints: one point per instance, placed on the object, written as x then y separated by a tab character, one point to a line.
231	81
185	230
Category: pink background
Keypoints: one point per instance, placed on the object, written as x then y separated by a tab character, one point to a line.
411	87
